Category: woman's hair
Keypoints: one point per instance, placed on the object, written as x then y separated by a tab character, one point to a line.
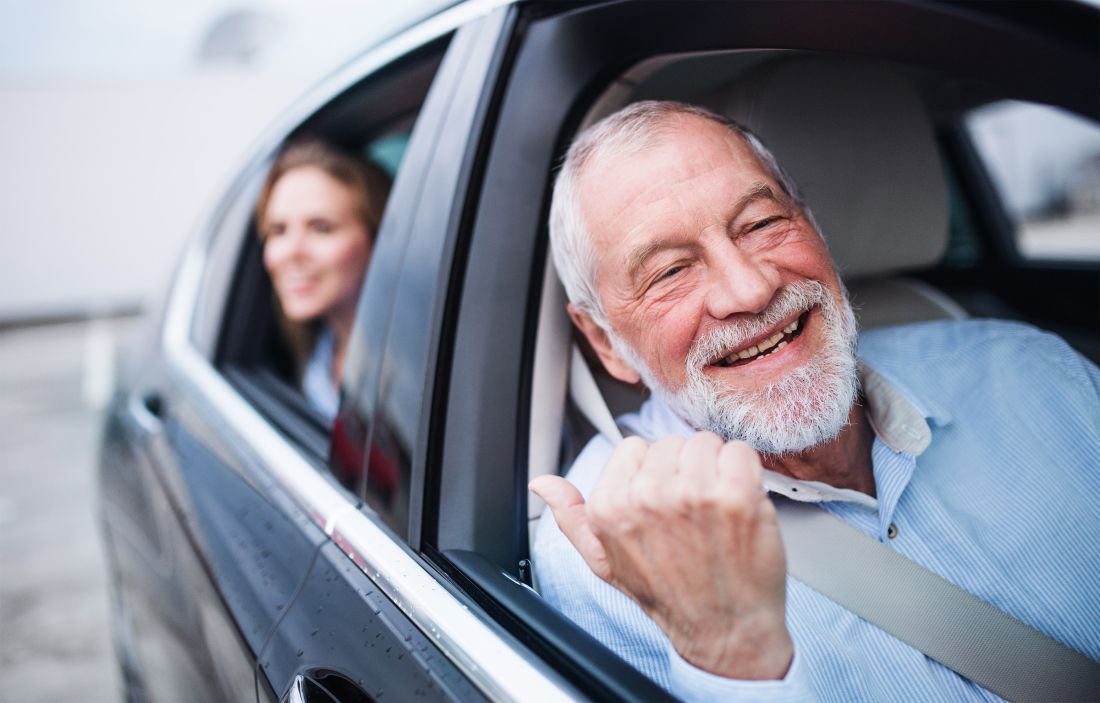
369	185
366	180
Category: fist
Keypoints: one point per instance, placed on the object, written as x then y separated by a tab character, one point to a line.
685	529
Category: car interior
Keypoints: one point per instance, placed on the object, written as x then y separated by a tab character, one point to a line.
870	145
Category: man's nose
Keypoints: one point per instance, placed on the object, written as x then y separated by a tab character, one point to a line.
739	284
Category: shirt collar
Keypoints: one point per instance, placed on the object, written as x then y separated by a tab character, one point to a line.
898	417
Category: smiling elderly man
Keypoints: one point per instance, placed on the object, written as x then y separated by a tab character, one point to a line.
970	447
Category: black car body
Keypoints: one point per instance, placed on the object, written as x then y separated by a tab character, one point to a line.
259	553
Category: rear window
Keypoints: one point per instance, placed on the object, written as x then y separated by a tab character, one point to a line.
1045	163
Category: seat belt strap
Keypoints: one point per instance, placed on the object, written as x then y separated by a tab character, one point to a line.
928	612
901	597
589	400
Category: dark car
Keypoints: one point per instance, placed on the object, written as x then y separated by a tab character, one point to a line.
260	552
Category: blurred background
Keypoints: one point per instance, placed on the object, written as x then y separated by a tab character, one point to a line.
120	122
122	119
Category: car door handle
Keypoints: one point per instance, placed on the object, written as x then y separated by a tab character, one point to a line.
297	691
148	411
329	687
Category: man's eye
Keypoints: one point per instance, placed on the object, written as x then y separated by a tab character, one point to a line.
670	272
764	223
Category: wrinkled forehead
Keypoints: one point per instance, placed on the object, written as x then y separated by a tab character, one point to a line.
620	184
671	132
637	159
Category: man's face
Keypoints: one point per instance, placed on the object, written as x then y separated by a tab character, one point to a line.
718	289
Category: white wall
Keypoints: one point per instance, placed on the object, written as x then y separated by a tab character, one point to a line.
117	131
100	182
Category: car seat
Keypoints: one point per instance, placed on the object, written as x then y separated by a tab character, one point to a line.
856	138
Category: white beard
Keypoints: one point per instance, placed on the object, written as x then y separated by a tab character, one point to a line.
807	407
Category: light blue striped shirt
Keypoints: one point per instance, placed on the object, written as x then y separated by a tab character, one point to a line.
1002	502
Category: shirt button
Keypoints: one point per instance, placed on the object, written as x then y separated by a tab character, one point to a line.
892	531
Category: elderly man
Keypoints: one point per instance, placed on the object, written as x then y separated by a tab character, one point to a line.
970	447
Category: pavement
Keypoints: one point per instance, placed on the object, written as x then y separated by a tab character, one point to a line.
55	639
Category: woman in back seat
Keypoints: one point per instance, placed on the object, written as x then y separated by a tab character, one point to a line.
318	214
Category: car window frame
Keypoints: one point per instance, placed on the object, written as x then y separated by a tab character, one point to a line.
483	651
483	461
556	109
235	287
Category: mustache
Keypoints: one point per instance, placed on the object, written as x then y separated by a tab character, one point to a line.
792	299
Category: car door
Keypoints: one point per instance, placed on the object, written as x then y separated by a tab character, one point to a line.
352	634
379	615
206	556
566	61
216	481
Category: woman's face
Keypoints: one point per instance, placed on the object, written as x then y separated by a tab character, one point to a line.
316	247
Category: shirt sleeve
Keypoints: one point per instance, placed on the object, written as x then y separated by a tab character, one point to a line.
692	684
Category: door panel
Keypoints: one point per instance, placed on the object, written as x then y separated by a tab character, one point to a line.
207	561
342	628
255	549
156	621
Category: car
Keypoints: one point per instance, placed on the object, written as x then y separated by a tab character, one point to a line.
258	551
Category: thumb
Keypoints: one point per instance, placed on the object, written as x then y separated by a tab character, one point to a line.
571	513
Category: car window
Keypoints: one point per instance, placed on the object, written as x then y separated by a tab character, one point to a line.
383	424
563	79
1045	165
263	356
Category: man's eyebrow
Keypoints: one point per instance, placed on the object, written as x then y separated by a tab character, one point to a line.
639	256
758	191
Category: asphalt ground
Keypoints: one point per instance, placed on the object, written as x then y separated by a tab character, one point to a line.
55	639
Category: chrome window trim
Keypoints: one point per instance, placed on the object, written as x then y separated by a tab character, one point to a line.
478	647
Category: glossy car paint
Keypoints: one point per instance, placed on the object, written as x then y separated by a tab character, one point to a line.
178	448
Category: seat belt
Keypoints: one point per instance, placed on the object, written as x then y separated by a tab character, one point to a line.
928	612
901	597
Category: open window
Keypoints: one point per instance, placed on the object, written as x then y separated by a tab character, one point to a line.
509	414
373	119
1045	166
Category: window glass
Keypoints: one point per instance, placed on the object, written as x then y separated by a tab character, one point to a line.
1046	165
280	347
964	248
388	151
234	218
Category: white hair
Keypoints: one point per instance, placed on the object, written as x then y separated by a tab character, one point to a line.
628	131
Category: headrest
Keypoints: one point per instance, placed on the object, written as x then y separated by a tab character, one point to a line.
857	141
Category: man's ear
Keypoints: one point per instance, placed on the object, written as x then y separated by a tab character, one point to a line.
601	343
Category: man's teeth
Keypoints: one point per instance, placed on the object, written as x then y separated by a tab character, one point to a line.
773	343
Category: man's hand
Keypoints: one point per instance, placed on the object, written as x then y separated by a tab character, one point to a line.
684	528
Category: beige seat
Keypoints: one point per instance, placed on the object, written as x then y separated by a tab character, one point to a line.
857	140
